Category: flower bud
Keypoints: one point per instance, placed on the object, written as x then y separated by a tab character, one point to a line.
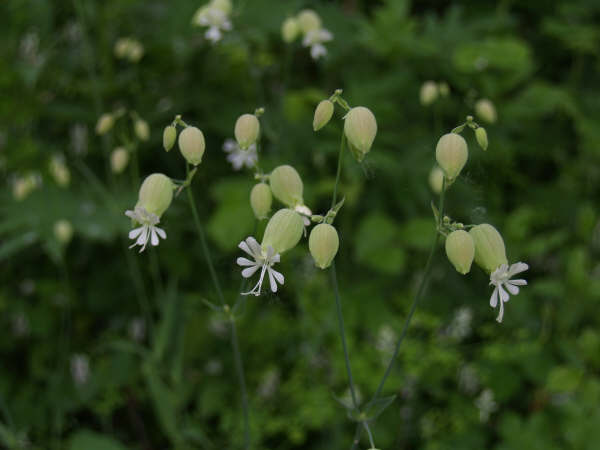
451	154
119	159
141	129
169	136
105	123
481	136
323	244
63	231
489	247
287	185
223	5
485	110
323	114
308	20
360	128
444	89
429	93
436	179
283	231
290	29
246	130
460	250
260	200
156	193
59	171
191	145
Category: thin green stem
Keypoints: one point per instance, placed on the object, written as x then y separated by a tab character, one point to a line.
239	368
200	229
366	425
339	170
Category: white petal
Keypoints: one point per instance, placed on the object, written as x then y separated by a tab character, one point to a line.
161	232
143	238
153	237
278	276
254	246
135	232
517	282
244	246
131	214
245	262
517	268
275	258
494	298
248	272
514	290
504	297
272	281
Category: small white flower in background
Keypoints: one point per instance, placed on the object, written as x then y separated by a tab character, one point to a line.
148	230
80	369
460	327
501	279
315	39
486	404
263	260
305	213
137	329
214	17
238	157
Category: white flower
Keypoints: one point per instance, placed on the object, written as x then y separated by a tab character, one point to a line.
315	39
148	230
500	278
486	404
238	157
216	21
263	260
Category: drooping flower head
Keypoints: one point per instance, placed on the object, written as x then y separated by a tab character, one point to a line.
215	16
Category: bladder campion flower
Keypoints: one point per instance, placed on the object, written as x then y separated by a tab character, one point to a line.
260	200
460	250
429	93
192	145
287	186
263	260
501	279
238	157
451	154
246	130
215	16
360	128
323	114
485	110
323	244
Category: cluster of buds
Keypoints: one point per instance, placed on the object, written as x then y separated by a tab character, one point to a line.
308	25
214	16
431	91
129	49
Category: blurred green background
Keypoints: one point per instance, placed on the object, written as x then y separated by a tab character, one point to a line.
83	367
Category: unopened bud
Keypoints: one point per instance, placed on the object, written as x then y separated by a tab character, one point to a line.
323	114
224	5
105	123
260	200
360	128
290	29
63	231
156	193
169	136
481	136
142	130
451	154
119	158
489	247
444	89
460	250
59	171
429	93
191	145
436	179
246	130
287	186
323	244
308	20
283	231
485	110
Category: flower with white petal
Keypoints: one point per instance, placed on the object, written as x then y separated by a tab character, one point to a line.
501	279
263	260
315	39
238	157
305	213
215	18
148	231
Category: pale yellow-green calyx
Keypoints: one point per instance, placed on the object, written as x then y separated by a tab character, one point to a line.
105	123
156	193
119	158
169	136
485	110
290	29
323	114
429	93
246	130
283	231
260	200
360	128
460	250
481	136
191	145
490	252
323	244
63	231
451	154
436	179
308	20
142	130
224	5
287	186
